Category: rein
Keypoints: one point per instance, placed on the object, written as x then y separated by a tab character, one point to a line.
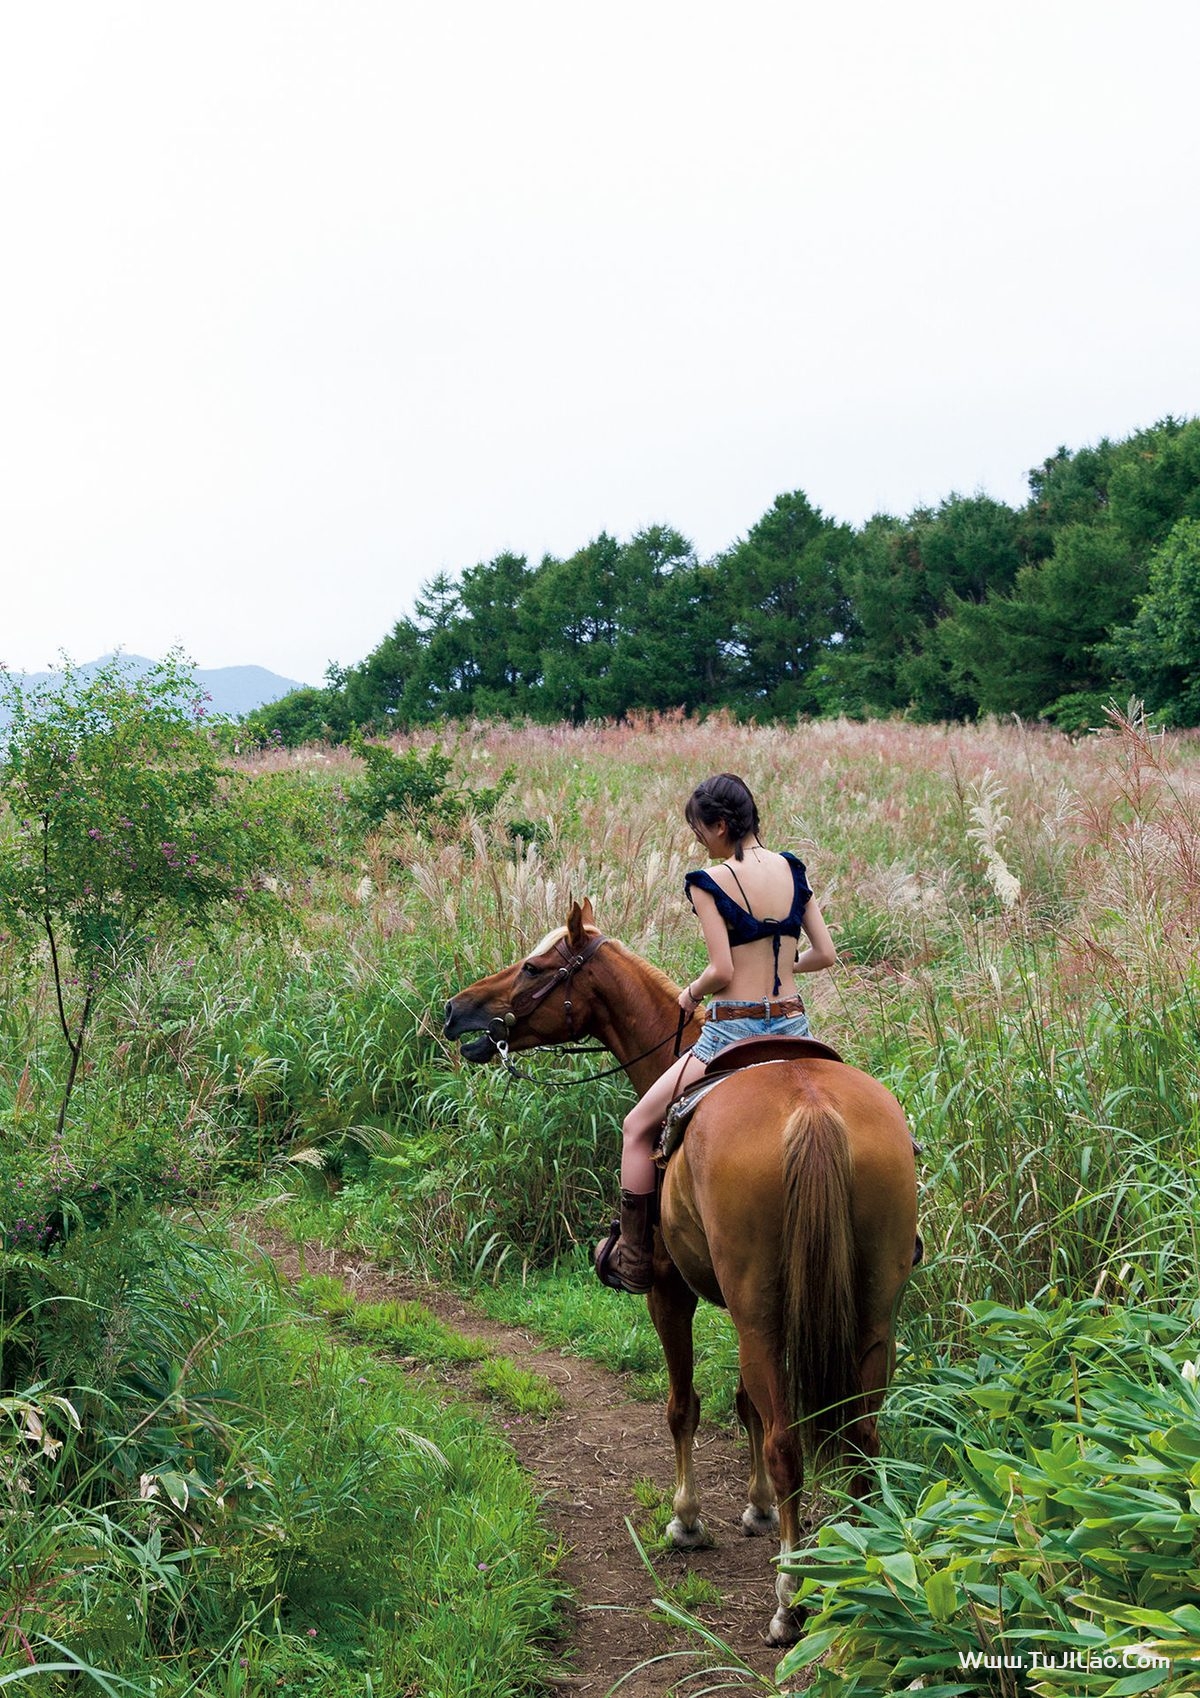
530	996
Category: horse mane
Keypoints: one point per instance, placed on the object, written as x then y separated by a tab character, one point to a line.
646	970
553	936
654	975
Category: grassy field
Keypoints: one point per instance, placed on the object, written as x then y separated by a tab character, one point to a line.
1042	1042
1017	918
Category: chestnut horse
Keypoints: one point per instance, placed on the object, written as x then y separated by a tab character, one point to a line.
791	1202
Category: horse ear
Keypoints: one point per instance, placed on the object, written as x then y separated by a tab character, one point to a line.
589	918
575	923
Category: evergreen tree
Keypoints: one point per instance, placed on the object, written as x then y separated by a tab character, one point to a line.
620	627
573	620
1066	489
903	576
783	593
665	630
1156	482
1158	654
1037	650
966	607
500	664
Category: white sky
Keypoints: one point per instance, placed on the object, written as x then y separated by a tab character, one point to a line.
301	303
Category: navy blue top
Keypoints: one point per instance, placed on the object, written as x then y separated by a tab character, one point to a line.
744	926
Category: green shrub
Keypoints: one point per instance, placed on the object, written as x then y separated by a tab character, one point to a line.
418	785
126	821
1052	1514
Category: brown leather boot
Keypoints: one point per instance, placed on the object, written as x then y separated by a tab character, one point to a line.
625	1260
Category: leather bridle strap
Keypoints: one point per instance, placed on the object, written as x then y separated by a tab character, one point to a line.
529	996
514	1072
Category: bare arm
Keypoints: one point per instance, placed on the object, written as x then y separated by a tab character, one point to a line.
820	952
720	959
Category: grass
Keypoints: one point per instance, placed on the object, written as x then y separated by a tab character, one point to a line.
692	1592
407	1330
1045	1049
413	1333
243	1503
568	1307
517	1389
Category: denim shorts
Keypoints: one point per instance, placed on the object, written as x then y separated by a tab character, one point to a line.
718	1034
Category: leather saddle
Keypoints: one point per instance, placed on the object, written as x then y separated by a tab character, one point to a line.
748	1052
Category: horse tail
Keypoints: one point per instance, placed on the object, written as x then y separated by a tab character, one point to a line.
821	1319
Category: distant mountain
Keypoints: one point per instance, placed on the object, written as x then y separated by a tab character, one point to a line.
235	690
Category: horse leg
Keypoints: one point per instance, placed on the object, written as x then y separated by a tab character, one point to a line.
764	1385
672	1304
760	1514
876	1359
862	1438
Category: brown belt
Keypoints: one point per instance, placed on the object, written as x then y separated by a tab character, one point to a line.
781	1008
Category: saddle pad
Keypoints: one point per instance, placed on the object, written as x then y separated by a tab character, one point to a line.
678	1115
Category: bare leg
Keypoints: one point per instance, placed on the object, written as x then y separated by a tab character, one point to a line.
638	1173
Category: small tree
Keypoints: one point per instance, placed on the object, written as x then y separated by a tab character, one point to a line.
416	783
122	819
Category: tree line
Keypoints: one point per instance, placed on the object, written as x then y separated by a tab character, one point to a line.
1089	591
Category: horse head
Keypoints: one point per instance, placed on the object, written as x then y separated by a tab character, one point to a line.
543	998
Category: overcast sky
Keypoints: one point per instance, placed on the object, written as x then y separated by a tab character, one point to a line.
301	303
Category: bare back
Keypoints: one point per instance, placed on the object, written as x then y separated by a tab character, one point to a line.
762	883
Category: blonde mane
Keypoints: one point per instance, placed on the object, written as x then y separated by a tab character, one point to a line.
548	942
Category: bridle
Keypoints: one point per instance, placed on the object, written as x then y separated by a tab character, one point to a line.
528	997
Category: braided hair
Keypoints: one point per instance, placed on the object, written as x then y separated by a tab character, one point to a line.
724	797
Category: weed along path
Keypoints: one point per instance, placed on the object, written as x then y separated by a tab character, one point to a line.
599	1458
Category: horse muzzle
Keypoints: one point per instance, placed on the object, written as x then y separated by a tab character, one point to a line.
479	1032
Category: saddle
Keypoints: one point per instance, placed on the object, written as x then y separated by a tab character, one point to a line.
747	1052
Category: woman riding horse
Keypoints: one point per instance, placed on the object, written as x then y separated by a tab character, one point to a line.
745	962
791	1203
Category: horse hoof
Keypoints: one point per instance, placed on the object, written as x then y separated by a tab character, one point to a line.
755	1523
786	1626
686	1538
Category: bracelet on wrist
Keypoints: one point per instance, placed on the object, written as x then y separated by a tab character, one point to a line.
693	998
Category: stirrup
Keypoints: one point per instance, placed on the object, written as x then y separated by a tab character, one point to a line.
602	1255
610	1276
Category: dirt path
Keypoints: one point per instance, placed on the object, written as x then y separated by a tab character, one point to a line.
585	1460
